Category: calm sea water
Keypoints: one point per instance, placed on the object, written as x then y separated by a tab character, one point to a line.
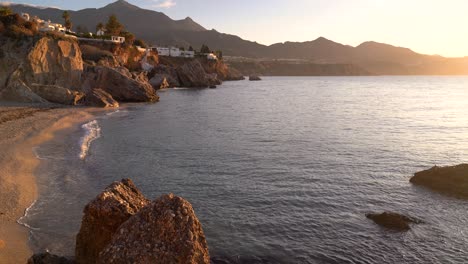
278	171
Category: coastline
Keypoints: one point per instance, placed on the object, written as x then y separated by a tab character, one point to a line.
24	127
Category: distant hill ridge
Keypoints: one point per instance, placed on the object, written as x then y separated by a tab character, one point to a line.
157	28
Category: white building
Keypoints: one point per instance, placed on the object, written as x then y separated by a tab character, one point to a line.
101	32
187	54
162	51
211	56
117	39
173	52
25	16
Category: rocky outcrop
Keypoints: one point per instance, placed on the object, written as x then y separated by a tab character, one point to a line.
192	74
104	215
159	82
394	221
55	62
100	98
166	231
16	90
119	86
451	180
57	94
254	78
47	258
161	72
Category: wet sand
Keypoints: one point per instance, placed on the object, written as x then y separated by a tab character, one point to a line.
21	129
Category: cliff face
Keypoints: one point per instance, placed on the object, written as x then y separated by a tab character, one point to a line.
44	69
54	63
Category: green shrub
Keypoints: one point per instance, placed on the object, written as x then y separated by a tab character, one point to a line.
93	53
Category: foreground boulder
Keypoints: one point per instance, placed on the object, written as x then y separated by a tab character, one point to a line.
57	94
119	85
166	231
452	180
100	98
103	216
254	78
393	221
47	258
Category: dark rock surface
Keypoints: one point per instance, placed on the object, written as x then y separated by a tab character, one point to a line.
103	216
451	180
165	231
393	221
47	258
254	78
100	98
120	86
192	74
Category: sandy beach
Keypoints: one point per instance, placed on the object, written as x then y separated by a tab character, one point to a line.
22	128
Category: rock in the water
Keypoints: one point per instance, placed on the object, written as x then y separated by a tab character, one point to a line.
254	78
452	180
162	71
119	85
47	258
100	98
57	94
159	82
166	231
393	221
192	74
213	87
103	216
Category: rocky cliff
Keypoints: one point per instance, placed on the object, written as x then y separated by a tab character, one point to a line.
49	68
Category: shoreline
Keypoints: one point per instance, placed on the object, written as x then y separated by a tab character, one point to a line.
23	127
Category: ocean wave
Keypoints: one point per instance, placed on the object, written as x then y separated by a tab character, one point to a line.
92	132
26	211
36	154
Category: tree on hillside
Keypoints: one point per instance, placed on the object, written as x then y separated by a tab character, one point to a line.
5	11
100	26
129	37
82	29
140	43
190	48
66	17
113	26
205	49
219	54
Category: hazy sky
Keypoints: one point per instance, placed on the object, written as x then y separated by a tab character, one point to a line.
426	26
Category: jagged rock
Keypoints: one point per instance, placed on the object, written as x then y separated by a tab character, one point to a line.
100	98
103	216
192	74
165	231
17	91
451	180
54	62
169	73
57	94
121	87
47	258
254	78
393	221
159	82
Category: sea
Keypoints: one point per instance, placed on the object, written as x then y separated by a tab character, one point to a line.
282	170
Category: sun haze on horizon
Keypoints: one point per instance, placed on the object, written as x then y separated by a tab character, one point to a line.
428	27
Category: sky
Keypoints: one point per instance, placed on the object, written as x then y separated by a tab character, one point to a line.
425	26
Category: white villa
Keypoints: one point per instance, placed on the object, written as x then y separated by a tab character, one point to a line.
117	39
43	25
173	52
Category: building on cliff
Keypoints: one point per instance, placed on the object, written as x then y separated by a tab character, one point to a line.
173	52
44	26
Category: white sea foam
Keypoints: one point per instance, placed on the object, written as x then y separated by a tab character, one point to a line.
37	154
92	132
20	221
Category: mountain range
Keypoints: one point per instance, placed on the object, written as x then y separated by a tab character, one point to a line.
159	29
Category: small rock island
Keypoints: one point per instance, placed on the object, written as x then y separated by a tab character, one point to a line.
451	180
394	221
